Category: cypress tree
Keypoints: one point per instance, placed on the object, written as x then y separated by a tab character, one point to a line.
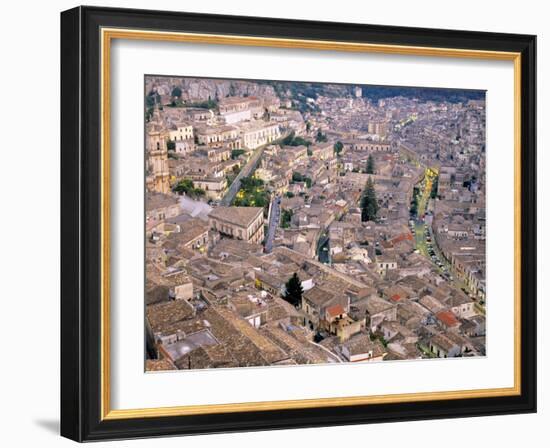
369	204
293	290
370	165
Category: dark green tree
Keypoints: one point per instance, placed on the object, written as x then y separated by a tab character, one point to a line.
235	153
369	204
186	186
338	146
414	202
297	177
152	98
370	165
433	193
293	290
294	140
176	92
320	137
286	217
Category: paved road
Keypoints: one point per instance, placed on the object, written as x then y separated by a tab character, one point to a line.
425	187
274	220
425	196
246	171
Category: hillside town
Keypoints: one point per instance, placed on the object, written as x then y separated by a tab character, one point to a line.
292	223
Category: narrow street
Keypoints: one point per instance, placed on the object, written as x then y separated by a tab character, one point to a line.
425	242
425	188
323	248
274	220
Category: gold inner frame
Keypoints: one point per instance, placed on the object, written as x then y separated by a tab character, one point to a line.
107	35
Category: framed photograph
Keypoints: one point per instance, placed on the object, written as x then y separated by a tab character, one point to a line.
274	223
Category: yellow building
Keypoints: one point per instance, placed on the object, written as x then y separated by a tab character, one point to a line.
181	131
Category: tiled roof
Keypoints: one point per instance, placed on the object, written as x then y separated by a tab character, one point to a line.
240	216
447	318
154	201
335	310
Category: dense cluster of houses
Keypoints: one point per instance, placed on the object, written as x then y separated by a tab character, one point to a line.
215	297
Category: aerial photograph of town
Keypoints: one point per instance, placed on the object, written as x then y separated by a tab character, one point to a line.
292	223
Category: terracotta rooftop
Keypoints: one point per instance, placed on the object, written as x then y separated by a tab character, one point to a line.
447	318
335	310
402	237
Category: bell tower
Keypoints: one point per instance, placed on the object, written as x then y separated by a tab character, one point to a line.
158	174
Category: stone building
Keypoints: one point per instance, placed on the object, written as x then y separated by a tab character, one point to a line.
243	223
315	303
185	146
214	187
378	127
323	151
214	136
157	171
259	133
159	207
238	104
366	145
360	348
191	234
181	131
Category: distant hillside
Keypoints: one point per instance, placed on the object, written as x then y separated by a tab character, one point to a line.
204	89
300	91
375	93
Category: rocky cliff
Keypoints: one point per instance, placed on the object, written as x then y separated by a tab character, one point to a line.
202	89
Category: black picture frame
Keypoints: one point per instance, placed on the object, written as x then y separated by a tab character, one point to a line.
81	224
